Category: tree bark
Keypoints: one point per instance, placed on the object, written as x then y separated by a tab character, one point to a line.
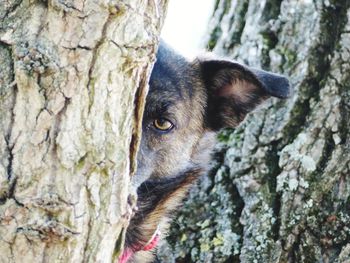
73	81
280	190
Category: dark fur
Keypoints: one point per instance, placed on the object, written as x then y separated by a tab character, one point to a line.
199	98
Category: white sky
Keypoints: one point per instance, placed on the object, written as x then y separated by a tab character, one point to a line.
186	23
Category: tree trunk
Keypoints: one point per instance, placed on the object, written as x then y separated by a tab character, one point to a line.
280	191
73	81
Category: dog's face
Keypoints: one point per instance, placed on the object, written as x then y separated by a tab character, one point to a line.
173	122
188	102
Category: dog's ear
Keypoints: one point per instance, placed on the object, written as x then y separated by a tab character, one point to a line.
234	90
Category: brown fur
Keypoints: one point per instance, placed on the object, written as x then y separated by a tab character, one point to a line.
198	98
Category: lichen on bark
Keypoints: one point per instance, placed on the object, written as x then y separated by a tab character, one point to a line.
280	188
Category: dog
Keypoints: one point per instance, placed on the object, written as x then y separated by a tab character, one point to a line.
187	104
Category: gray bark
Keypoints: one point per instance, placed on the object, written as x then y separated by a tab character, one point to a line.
73	79
280	190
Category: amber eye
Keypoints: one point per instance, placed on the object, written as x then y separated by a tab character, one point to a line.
162	124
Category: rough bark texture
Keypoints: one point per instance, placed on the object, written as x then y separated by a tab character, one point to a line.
280	191
73	77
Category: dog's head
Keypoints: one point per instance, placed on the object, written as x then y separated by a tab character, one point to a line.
188	102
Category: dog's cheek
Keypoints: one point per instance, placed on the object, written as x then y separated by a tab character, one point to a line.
174	155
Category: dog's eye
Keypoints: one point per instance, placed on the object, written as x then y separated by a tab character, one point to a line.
163	125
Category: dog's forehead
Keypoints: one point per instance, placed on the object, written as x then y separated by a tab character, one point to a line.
170	85
164	98
165	81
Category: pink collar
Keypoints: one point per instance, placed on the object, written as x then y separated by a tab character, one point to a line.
129	251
